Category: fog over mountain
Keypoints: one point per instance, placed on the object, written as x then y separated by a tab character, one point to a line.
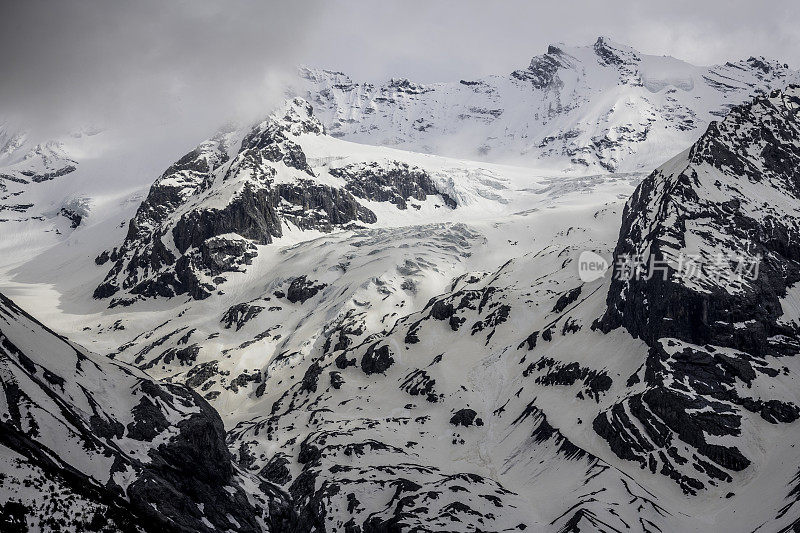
199	63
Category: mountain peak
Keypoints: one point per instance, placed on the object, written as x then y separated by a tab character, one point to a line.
298	116
603	40
555	49
612	53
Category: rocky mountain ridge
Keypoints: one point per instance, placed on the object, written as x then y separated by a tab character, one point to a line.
714	329
599	108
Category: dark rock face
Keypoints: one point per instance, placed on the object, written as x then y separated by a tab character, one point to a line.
201	373
609	54
198	465
419	383
542	73
551	373
311	378
395	183
73	217
713	329
458	305
376	360
250	213
221	254
702	405
159	473
12	517
314	206
140	261
276	471
47	176
747	147
301	289
566	299
336	380
240	314
466	417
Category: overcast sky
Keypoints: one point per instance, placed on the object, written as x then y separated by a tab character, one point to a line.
196	63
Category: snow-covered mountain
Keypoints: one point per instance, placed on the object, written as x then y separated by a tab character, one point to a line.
599	108
25	166
574	110
401	341
205	215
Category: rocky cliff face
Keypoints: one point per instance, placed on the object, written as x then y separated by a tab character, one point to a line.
599	108
132	452
394	183
686	283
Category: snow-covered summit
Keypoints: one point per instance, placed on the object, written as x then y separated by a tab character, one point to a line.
602	107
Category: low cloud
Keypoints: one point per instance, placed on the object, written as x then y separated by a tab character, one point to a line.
134	64
195	64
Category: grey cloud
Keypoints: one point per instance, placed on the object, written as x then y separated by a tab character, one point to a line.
196	63
445	40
